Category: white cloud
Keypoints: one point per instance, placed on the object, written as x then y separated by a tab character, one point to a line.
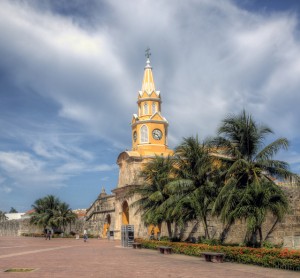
104	167
5	189
19	162
209	58
54	148
28	171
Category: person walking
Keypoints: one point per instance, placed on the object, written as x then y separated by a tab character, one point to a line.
85	236
48	234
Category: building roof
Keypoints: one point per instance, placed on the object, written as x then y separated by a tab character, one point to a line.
148	85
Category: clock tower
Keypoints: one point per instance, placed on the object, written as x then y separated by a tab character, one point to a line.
149	127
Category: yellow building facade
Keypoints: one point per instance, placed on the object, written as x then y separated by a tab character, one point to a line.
149	131
149	127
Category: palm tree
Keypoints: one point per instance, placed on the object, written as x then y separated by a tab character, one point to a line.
13	210
250	166
194	190
3	217
63	215
257	201
44	210
157	174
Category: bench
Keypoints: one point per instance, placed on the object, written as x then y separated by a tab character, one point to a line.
164	249
213	257
136	245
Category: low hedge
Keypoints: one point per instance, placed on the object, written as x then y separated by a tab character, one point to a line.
274	258
55	235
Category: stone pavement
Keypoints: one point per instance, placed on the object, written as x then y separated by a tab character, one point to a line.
103	258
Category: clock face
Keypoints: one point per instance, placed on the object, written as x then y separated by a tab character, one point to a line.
134	136
157	134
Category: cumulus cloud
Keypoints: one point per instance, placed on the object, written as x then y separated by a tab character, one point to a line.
5	189
27	170
210	56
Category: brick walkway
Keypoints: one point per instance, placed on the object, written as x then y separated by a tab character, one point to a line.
102	258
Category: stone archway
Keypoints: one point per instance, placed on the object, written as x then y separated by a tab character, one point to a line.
125	213
108	219
106	225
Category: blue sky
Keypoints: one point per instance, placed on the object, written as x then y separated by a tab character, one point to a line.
70	72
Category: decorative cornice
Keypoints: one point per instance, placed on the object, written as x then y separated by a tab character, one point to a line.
149	92
149	98
165	122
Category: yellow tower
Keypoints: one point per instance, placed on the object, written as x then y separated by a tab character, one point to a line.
149	127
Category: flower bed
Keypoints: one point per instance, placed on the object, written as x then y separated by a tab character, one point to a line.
276	258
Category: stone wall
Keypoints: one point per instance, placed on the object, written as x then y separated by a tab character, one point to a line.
23	226
286	232
17	227
10	228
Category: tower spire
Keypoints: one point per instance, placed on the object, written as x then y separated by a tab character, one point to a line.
149	127
148	81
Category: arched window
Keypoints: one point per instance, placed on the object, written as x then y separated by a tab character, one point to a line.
146	109
153	107
144	134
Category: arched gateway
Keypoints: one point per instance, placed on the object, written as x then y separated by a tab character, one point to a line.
125	213
106	225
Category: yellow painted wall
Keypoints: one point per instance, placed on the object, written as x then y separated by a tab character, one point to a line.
105	229
153	230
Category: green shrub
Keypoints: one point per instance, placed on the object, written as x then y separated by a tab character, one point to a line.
164	238
268	245
275	257
212	242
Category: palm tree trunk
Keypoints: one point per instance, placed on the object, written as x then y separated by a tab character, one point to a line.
253	238
272	229
225	232
204	221
260	236
169	229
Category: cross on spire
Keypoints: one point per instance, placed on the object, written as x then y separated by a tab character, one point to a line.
147	53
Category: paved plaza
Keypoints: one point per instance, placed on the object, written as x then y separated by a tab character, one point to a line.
103	258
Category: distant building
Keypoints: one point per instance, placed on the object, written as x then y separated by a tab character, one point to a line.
14	216
81	213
